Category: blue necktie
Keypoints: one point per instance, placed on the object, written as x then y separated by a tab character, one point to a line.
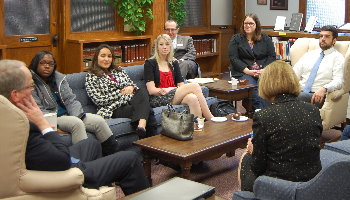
313	73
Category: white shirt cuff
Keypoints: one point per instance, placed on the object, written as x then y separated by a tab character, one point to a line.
46	130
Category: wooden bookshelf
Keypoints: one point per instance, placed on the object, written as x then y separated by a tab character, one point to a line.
129	52
208	47
293	34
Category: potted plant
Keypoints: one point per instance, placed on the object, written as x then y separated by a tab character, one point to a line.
177	11
134	13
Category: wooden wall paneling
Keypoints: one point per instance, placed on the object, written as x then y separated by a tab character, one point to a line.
2	52
238	14
2	22
347	12
226	35
159	13
302	9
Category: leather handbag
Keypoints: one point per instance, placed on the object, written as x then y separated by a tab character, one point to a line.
177	125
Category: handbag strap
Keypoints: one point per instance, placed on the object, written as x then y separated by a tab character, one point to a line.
171	108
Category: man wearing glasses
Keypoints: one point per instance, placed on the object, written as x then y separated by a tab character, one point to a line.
45	150
321	70
184	50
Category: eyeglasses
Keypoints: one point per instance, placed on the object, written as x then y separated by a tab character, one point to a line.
249	24
170	29
31	86
51	64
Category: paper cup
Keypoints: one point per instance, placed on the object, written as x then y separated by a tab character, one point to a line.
200	123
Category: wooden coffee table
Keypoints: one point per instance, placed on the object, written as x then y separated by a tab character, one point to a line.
216	139
223	90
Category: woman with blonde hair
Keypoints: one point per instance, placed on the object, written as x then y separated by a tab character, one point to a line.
165	84
286	133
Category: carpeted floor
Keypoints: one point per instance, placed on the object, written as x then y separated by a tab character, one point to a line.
220	173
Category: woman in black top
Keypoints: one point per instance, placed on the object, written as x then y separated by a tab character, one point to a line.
250	51
165	84
286	133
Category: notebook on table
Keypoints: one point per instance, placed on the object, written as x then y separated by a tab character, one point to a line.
177	189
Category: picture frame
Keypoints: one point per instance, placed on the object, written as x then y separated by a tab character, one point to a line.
262	2
278	4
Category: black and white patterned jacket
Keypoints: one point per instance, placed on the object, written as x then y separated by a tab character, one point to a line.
106	94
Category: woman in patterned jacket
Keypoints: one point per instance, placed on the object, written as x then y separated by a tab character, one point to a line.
114	92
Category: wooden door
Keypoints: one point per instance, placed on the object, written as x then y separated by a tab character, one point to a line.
28	27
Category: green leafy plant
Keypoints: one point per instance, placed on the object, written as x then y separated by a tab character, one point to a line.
177	11
134	12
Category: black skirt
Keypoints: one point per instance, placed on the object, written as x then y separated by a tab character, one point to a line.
162	100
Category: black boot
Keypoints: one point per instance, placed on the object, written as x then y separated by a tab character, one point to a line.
110	146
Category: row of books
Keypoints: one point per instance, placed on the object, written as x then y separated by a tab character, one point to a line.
122	53
205	46
282	48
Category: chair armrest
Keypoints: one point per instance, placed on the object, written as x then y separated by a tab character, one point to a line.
274	189
336	94
243	195
45	181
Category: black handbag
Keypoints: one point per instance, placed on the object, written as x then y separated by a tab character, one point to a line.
177	125
222	108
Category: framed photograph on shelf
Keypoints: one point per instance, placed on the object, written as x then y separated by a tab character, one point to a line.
278	4
262	2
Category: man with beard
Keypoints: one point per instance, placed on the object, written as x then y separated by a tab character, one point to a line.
321	70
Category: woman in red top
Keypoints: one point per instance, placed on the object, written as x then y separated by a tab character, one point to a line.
166	85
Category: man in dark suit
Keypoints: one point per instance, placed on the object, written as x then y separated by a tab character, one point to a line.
184	50
46	151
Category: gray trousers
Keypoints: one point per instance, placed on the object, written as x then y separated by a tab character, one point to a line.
92	123
189	69
303	96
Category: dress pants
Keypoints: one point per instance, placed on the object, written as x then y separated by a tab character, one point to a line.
258	102
139	107
123	167
303	96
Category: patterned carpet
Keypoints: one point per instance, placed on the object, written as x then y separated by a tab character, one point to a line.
220	173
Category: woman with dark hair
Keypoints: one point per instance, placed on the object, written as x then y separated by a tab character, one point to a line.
53	95
286	134
250	51
115	94
166	85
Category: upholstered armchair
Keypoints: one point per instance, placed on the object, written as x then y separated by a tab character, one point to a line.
335	106
19	183
330	183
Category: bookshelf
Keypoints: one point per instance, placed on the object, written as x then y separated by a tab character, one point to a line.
293	34
283	40
207	45
128	51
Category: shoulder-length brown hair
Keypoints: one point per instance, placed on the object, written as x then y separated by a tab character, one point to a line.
95	68
257	33
278	78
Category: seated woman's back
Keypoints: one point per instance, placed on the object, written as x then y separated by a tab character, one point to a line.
288	131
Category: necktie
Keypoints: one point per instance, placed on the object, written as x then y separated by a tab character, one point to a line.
312	76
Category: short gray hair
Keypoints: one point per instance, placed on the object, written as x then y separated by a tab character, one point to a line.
11	76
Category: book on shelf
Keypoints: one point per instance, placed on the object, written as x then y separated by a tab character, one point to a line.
282	48
125	53
205	46
295	22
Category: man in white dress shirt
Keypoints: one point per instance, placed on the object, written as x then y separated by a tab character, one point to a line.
329	75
